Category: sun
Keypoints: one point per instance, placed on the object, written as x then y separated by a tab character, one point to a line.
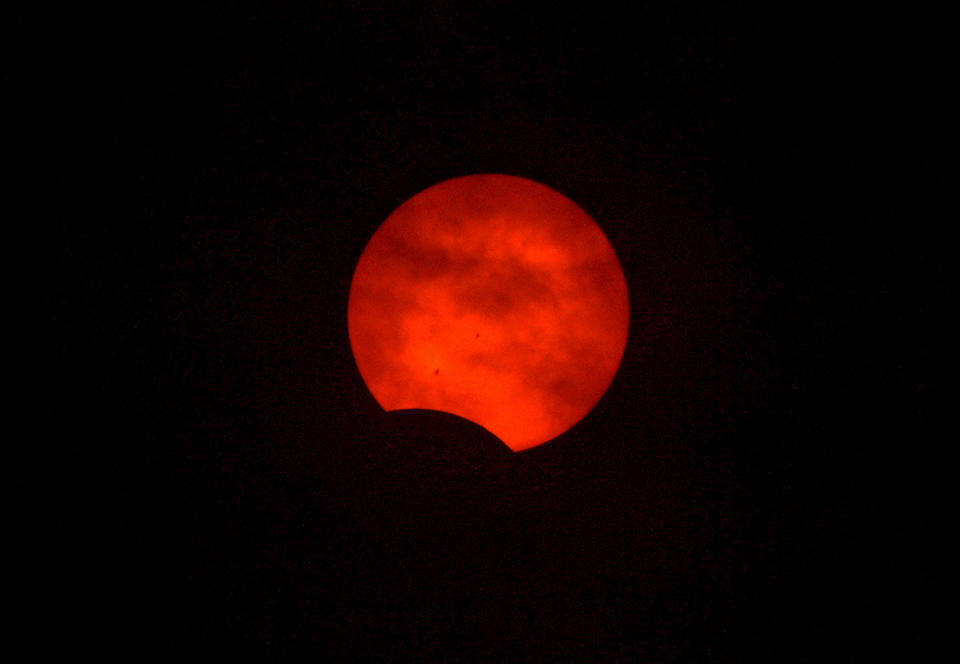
494	298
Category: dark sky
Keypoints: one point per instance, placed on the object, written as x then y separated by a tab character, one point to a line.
754	483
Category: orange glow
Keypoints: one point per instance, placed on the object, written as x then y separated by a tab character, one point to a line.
494	298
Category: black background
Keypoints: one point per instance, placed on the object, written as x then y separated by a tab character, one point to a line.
756	483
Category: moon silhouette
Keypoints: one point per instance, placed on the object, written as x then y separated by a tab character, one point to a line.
494	298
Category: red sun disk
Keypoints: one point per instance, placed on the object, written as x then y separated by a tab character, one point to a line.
494	298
